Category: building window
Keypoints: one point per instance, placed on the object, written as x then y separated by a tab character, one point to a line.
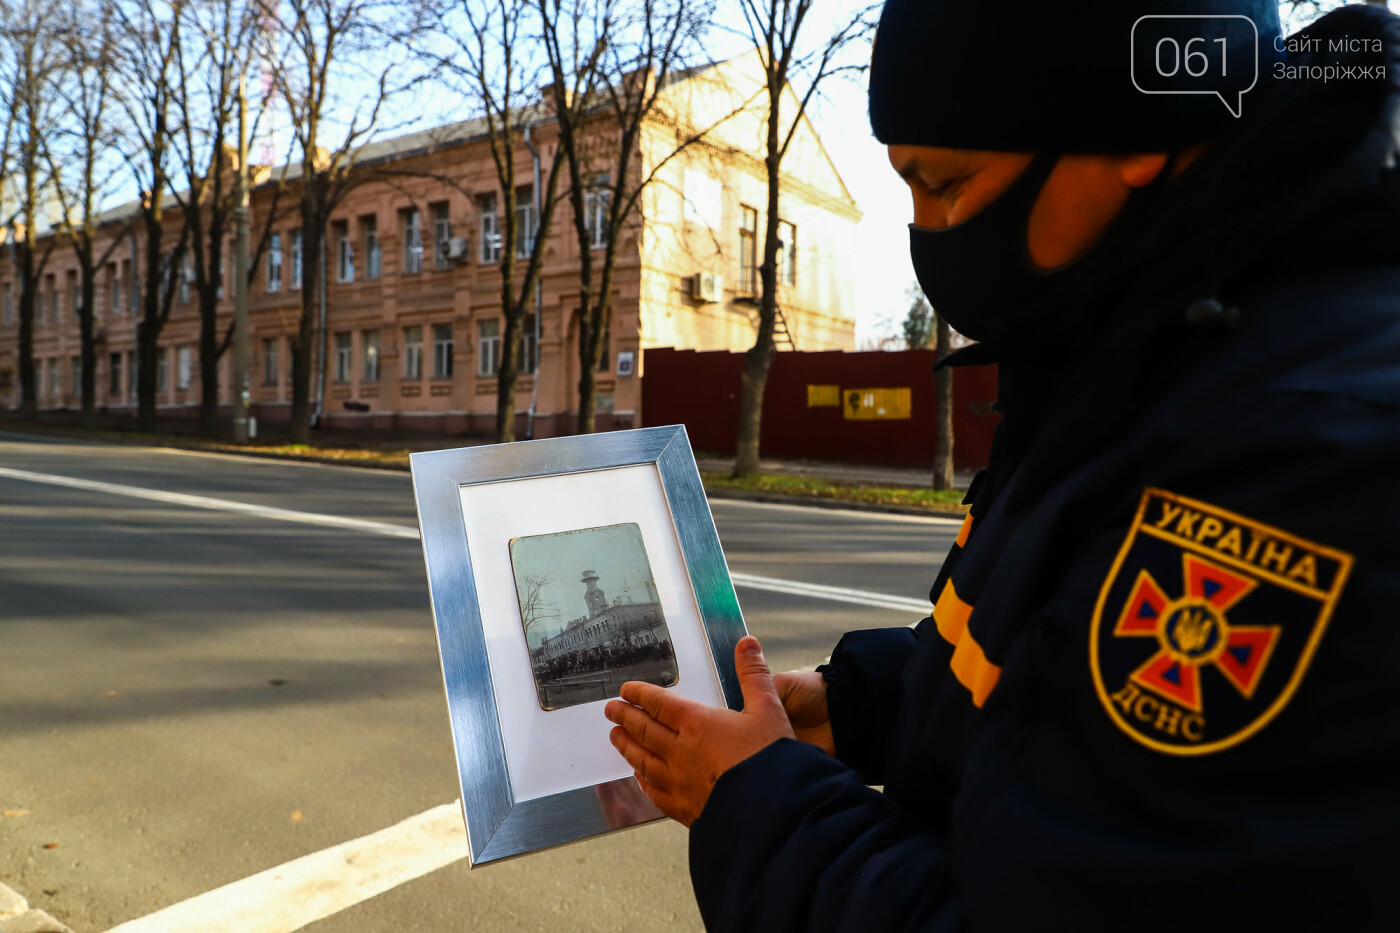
370	341
9	306
186	277
182	368
529	349
412	242
53	378
597	204
442	236
296	259
342	357
114	288
748	251
77	364
162	369
75	296
488	347
132	374
490	228
442	351
132	293
114	377
526	222
274	263
269	361
373	257
787	253
413	353
344	252
52	282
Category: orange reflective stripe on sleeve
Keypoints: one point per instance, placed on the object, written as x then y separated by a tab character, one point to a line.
950	614
964	531
969	664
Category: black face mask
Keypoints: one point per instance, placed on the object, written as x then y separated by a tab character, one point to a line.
977	273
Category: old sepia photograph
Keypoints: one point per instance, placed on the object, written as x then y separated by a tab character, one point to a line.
591	612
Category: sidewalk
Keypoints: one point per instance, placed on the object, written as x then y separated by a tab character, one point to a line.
16	916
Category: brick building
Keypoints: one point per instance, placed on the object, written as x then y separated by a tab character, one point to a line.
413	321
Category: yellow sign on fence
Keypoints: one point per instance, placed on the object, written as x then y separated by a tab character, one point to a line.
875	404
823	396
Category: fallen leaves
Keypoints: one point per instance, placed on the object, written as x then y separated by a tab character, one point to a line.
17	812
50	845
296	816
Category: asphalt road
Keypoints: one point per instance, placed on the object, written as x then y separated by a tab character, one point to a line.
188	697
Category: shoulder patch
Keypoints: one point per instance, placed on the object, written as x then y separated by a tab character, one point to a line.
1207	623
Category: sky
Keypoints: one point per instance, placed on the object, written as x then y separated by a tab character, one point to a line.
615	552
879	255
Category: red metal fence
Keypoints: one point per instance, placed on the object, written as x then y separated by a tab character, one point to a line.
701	391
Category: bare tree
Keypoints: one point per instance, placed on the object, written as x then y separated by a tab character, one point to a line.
534	607
485	49
150	48
211	61
319	48
779	31
610	61
32	57
84	169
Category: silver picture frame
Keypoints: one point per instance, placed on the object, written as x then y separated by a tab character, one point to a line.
498	825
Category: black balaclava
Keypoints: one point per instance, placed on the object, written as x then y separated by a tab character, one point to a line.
1026	77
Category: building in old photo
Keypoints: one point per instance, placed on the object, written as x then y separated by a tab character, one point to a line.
412	320
610	628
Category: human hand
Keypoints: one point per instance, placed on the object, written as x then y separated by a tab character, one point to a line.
803	694
679	748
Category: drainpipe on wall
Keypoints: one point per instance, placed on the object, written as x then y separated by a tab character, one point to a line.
321	344
539	297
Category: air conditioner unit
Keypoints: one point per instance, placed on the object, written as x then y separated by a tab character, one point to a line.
455	248
706	286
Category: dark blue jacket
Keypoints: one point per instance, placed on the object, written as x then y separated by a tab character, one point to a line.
1160	688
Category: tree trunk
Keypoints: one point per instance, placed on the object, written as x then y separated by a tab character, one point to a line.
208	364
87	334
148	327
209	314
28	383
506	376
757	361
943	385
759	358
312	233
588	338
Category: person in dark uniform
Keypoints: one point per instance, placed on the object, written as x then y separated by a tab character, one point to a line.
1158	689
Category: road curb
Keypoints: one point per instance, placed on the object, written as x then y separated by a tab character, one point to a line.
820	502
16	916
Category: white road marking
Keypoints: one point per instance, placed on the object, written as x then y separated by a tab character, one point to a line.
839	594
220	505
311	888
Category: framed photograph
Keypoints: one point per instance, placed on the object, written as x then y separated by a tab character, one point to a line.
560	569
